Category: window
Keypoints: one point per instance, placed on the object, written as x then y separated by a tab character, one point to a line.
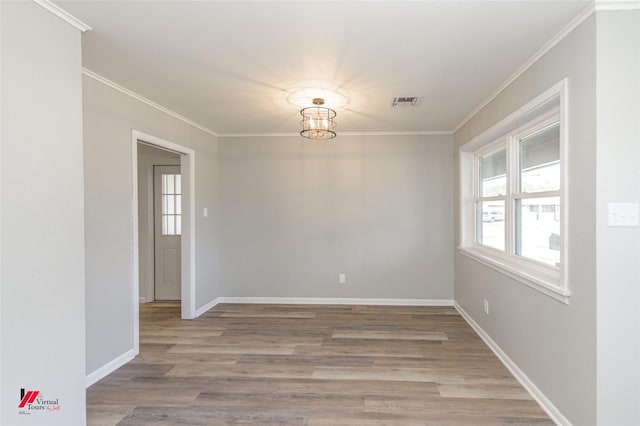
491	197
512	195
537	199
171	205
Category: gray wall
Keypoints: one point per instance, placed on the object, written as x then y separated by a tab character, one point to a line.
296	214
42	261
618	249
285	218
109	117
148	156
553	343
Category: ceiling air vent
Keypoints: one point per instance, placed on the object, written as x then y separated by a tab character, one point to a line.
405	102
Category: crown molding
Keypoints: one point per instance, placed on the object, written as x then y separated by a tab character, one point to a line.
580	18
258	135
399	133
147	101
265	135
617	5
61	13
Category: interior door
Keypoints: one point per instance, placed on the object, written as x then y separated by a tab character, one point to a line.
167	230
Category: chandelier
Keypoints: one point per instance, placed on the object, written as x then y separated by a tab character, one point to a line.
317	121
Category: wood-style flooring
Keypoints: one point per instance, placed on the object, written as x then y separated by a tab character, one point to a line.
310	365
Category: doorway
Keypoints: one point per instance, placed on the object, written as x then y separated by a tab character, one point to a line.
167	227
159	224
144	288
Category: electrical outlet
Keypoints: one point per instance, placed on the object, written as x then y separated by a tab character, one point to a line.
342	278
486	306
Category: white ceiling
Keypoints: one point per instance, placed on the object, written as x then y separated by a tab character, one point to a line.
231	65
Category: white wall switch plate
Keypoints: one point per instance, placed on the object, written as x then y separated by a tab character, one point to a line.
342	278
486	306
622	214
205	212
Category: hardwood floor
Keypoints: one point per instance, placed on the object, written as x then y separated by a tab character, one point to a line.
310	365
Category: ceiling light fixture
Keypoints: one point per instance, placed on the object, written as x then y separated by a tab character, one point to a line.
317	121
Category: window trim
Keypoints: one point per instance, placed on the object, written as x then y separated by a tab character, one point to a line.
542	111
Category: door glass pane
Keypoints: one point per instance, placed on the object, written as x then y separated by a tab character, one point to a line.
178	184
538	229
165	224
493	174
171	205
540	161
170	187
178	225
490	220
171	229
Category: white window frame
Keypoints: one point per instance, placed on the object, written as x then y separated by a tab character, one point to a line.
539	113
494	146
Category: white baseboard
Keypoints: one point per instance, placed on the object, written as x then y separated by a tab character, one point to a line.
109	367
324	301
206	307
336	301
142	300
553	412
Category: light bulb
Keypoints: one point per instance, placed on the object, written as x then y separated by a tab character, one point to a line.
312	123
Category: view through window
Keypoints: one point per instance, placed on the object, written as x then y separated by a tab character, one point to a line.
518	194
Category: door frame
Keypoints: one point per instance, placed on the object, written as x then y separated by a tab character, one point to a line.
188	246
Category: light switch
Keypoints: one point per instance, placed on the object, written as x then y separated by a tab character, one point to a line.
205	212
622	214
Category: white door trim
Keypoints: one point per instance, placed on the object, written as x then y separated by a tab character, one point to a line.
188	244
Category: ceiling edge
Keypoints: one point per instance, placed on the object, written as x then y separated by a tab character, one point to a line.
581	17
398	133
617	5
147	101
257	135
61	13
137	96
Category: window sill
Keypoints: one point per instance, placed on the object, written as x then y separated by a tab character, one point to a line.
543	283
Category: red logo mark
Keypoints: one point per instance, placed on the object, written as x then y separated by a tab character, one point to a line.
28	398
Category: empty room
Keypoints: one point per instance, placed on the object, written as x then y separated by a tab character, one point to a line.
319	212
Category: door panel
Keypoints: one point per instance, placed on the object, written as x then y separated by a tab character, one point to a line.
167	226
170	259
